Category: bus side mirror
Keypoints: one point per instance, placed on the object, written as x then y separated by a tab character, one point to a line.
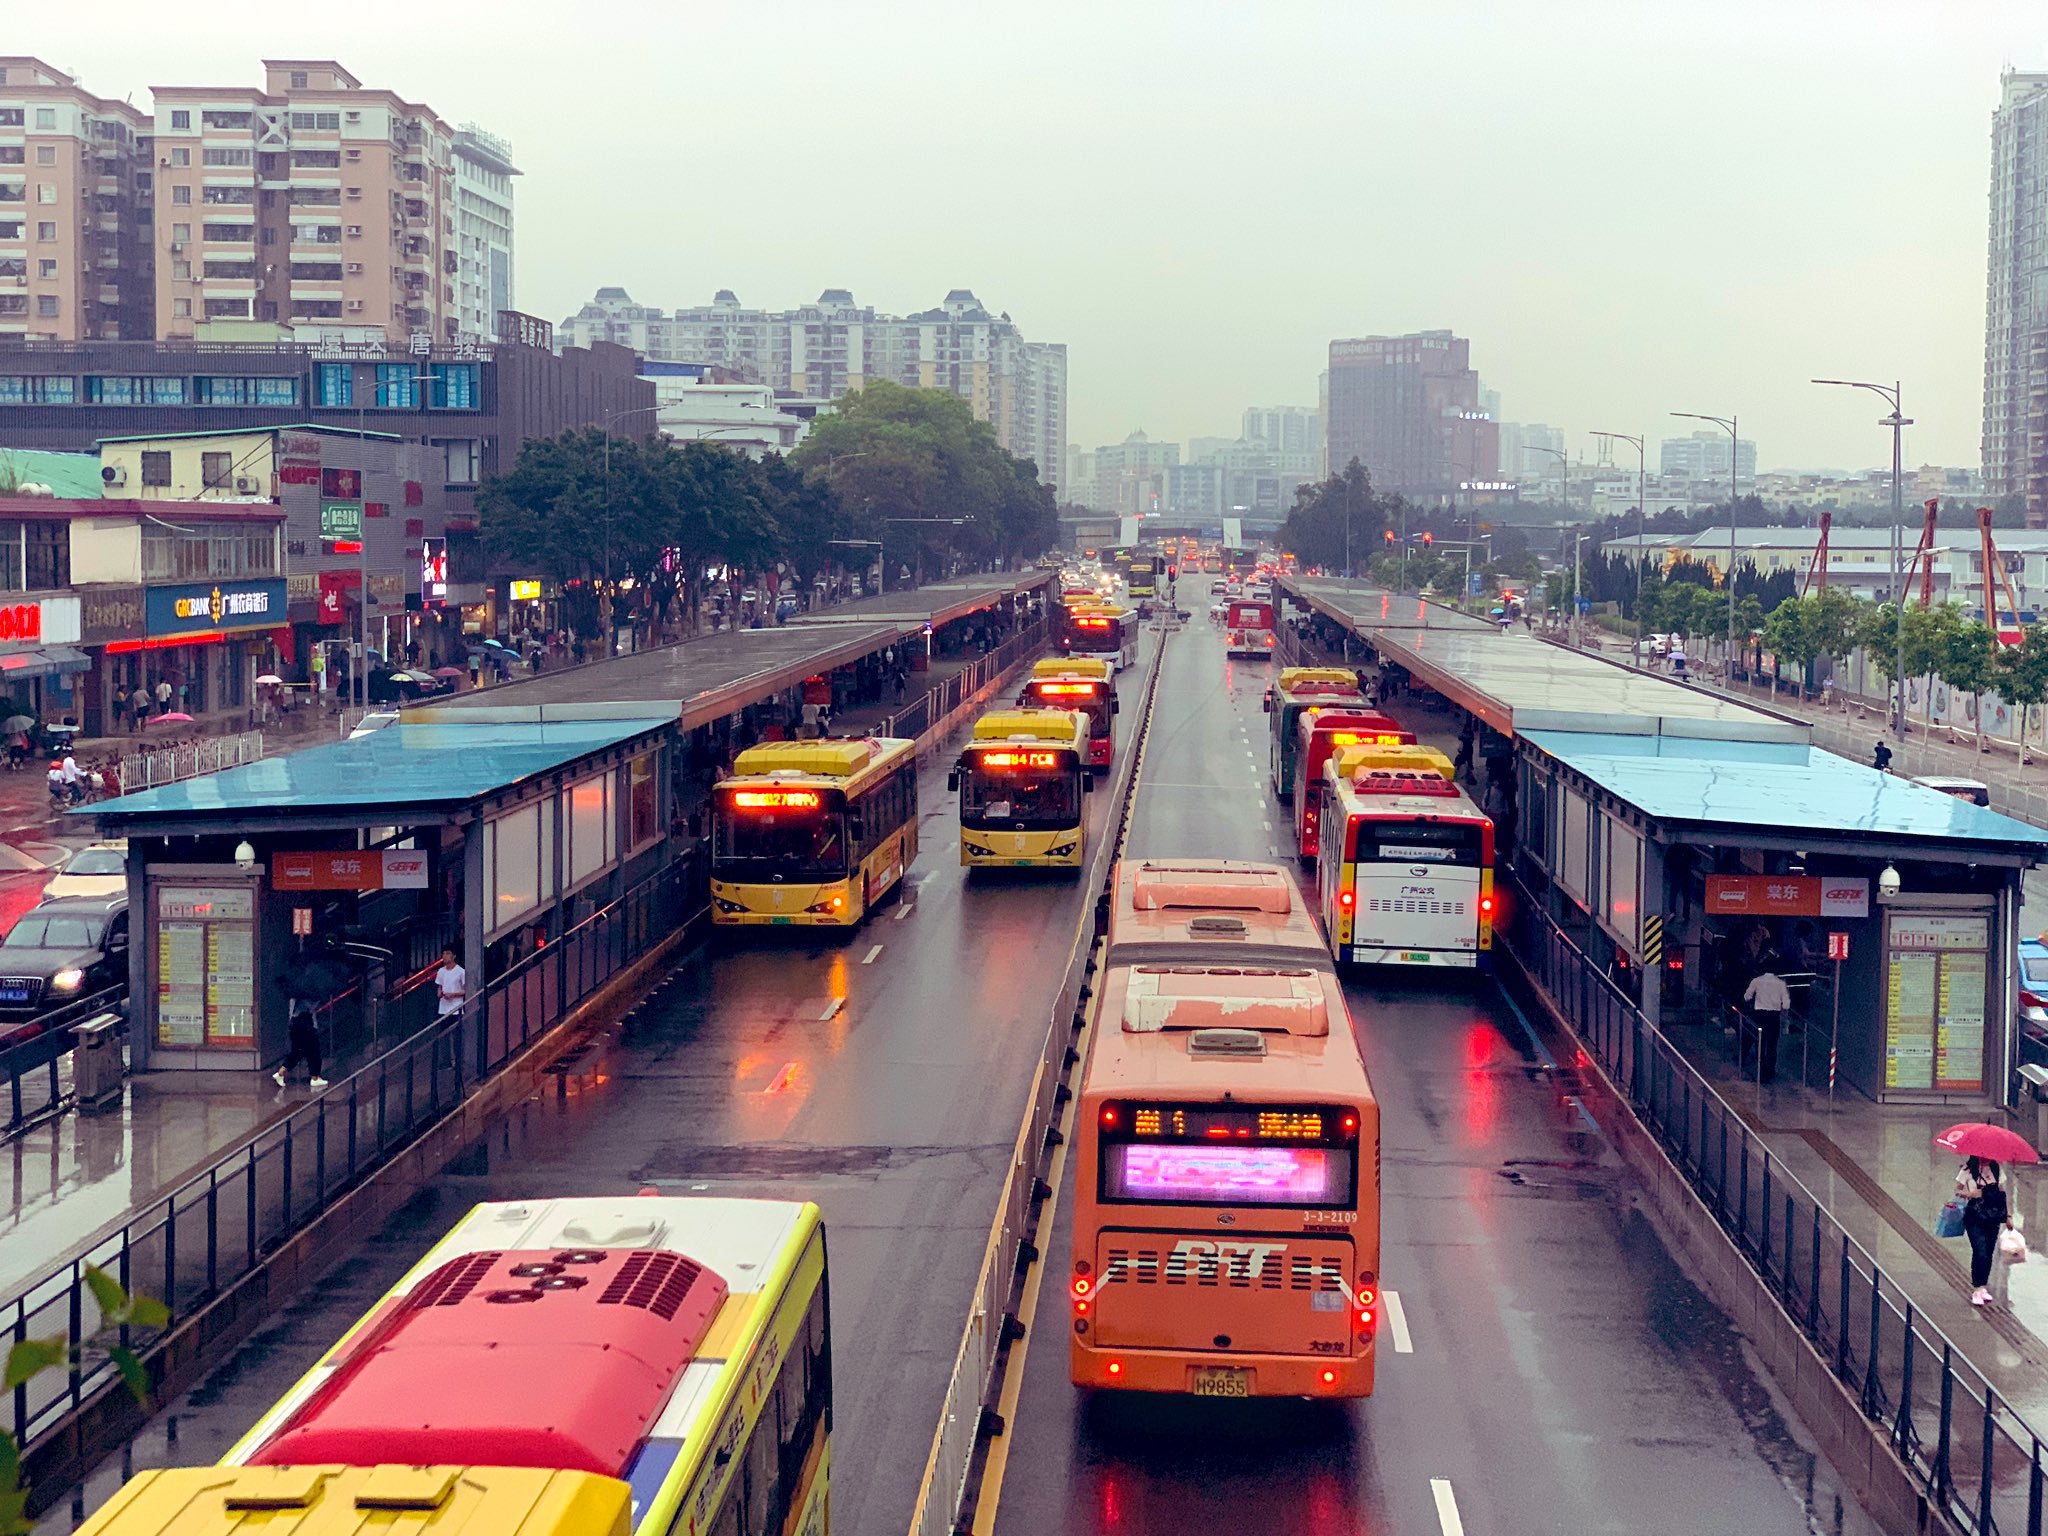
953	781
1267	703
1088	781
1114	705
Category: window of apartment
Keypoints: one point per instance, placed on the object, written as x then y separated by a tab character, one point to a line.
454	386
316	309
180	156
237	269
317	197
181	270
13	303
298	79
46	306
319	122
46	154
12	154
224	119
232	233
46	192
146	389
49	556
182	308
46	117
316	234
181	195
227	309
216	470
396	387
142	182
46	234
462	464
316	159
181	233
10	229
198	552
156	467
46	267
229	195
181	119
337	384
13	266
34	389
317	271
238	390
228	156
13	194
10	117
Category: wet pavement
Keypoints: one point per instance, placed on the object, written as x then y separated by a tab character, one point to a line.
881	1075
1564	1376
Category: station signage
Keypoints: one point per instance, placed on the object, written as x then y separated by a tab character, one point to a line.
198	607
1787	896
349	870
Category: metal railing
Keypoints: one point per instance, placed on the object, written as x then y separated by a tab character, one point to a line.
947	695
967	1414
1976	1458
35	1070
187	760
190	1246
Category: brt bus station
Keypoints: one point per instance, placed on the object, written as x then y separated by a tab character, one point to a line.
1675	838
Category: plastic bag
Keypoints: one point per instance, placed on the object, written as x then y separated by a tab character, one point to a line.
2012	1244
1948	1221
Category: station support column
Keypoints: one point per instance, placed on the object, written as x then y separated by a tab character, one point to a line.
1655	940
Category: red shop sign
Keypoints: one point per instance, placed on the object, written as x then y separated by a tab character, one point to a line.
21	621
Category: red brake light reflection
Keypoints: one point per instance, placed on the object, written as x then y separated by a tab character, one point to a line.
775	799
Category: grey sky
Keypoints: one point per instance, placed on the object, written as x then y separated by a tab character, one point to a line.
1629	207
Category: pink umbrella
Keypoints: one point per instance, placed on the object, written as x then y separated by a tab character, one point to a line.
1973	1138
173	718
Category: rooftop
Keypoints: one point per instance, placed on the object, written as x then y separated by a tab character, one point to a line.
401	767
1779	786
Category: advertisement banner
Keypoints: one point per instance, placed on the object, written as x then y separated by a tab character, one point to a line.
195	608
1787	896
349	870
341	520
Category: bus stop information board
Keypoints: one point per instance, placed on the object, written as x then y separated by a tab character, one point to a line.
1936	991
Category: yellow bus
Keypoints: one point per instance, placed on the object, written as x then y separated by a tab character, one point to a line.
1021	782
812	832
670	1373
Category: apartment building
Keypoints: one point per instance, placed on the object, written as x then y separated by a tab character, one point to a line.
2015	441
1703	456
75	206
827	348
1407	408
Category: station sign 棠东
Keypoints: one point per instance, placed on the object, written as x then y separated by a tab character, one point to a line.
1787	896
349	870
201	607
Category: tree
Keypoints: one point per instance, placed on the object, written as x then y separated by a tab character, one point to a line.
1789	634
1929	633
1340	523
2022	675
1968	661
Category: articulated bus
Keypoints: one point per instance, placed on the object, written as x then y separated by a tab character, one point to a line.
1107	630
1297	689
1227	1206
1404	862
1320	733
1021	781
812	832
584	1367
1250	629
1085	683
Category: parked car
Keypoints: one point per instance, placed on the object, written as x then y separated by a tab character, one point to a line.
373	722
57	953
98	869
1976	791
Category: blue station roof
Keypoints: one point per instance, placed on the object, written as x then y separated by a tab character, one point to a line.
404	766
1787	787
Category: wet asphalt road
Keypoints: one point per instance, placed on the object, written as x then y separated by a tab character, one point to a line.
895	1111
1565	1376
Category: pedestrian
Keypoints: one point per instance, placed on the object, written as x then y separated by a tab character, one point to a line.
900	687
163	696
451	985
476	669
303	1030
1985	1214
1768	998
138	706
1881	758
1467	739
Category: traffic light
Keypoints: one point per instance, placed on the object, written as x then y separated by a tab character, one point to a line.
1428	539
1389	535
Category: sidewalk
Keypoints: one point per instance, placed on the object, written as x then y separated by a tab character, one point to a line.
1874	1166
68	1178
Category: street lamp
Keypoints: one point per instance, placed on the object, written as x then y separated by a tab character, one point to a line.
1642	526
1898	421
881	558
1726	424
1564	469
363	540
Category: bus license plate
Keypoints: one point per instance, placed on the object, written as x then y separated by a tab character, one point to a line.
1221	1381
781	920
1415	956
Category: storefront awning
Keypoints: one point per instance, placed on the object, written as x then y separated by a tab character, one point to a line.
51	661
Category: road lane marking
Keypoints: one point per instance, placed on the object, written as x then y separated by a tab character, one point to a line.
905	910
869	957
1397	1323
832	1008
1446	1506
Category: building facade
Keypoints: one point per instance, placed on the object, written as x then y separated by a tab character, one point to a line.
76	190
835	345
1407	408
1703	459
2015	440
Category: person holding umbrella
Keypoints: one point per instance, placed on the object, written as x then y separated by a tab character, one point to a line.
1987	1214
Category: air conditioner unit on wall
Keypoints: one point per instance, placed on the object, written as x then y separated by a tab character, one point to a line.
247	485
355	304
113	474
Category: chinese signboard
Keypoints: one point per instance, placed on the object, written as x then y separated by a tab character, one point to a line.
340	484
197	608
341	520
1787	896
44	621
112	613
349	870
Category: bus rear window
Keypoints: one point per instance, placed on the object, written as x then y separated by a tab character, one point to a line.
1418	842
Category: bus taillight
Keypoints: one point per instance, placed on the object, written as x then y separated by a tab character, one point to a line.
1486	906
1345	899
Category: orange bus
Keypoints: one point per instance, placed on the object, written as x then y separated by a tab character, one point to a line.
1227	1210
1319	733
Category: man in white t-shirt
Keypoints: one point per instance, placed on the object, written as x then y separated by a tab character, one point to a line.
451	982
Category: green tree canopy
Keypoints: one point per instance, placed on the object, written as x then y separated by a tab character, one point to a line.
1338	520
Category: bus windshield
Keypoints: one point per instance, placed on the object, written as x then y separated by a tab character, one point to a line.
1418	842
1042	794
788	832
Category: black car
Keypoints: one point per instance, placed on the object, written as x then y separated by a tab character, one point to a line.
58	953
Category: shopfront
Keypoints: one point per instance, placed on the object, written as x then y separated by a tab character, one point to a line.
40	659
209	641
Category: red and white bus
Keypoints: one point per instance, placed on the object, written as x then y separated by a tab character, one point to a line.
1107	630
1404	863
1248	629
1319	733
1077	682
1227	1213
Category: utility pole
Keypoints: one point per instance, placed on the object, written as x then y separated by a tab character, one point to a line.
1728	425
1898	421
1642	527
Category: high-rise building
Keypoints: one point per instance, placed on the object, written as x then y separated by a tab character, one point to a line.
1407	407
834	345
75	198
1293	434
483	230
1703	457
1129	477
2015	444
1527	451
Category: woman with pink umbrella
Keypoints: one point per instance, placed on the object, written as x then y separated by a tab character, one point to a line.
1987	1215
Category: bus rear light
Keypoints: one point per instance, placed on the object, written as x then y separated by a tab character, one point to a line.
1486	906
1116	1367
1329	1378
1366	1296
1350	1123
1365	1324
1109	1114
1345	900
1083	1285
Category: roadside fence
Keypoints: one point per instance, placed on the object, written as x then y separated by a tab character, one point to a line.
187	759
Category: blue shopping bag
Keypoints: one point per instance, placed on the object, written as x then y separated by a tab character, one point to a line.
1948	1222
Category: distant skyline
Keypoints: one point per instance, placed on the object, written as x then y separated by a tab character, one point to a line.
1628	209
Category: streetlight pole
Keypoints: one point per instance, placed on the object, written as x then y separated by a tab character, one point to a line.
1898	421
1564	469
1642	526
1728	425
611	628
363	544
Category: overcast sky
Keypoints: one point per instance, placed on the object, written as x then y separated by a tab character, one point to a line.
1630	208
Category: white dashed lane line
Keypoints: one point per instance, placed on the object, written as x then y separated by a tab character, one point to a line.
870	956
1397	1323
1446	1507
